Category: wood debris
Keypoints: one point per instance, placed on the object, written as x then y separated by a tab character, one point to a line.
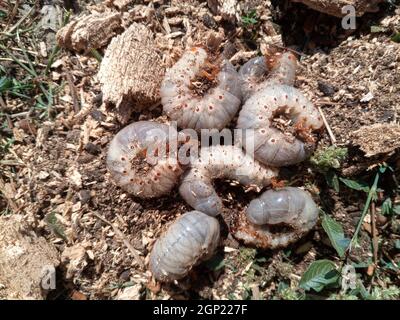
26	260
89	32
131	71
334	7
379	138
120	4
75	259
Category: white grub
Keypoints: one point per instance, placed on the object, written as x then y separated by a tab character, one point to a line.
216	162
290	207
260	72
272	146
139	160
192	238
185	102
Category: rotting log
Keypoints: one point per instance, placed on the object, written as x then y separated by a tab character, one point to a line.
131	72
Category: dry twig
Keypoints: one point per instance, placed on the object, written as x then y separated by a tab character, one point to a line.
327	126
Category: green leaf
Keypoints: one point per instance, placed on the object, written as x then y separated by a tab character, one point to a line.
5	84
387	207
383	168
250	18
360	290
378	29
396	37
336	235
361	265
332	180
216	263
396	209
328	158
55	226
355	185
319	274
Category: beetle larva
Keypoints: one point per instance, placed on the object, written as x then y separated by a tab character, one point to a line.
200	94
216	162
277	116
139	161
290	207
192	238
259	72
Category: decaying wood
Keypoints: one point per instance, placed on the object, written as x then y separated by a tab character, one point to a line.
92	31
25	260
380	138
120	4
334	7
229	10
131	71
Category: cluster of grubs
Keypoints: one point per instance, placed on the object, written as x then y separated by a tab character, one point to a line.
278	122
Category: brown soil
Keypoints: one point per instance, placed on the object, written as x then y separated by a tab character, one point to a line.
60	168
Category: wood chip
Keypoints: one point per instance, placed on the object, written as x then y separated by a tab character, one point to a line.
380	138
131	71
92	31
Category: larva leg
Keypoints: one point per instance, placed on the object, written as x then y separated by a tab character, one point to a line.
276	117
217	162
201	94
259	72
289	207
192	238
139	162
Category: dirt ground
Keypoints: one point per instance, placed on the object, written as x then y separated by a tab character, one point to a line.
53	148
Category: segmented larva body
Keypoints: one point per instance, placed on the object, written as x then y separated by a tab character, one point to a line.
260	72
186	101
289	207
192	238
139	162
271	145
216	162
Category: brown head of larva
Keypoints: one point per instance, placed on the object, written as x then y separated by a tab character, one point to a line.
304	132
282	119
206	78
273	59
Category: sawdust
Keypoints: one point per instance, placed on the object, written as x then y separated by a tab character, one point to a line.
58	166
27	261
377	139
